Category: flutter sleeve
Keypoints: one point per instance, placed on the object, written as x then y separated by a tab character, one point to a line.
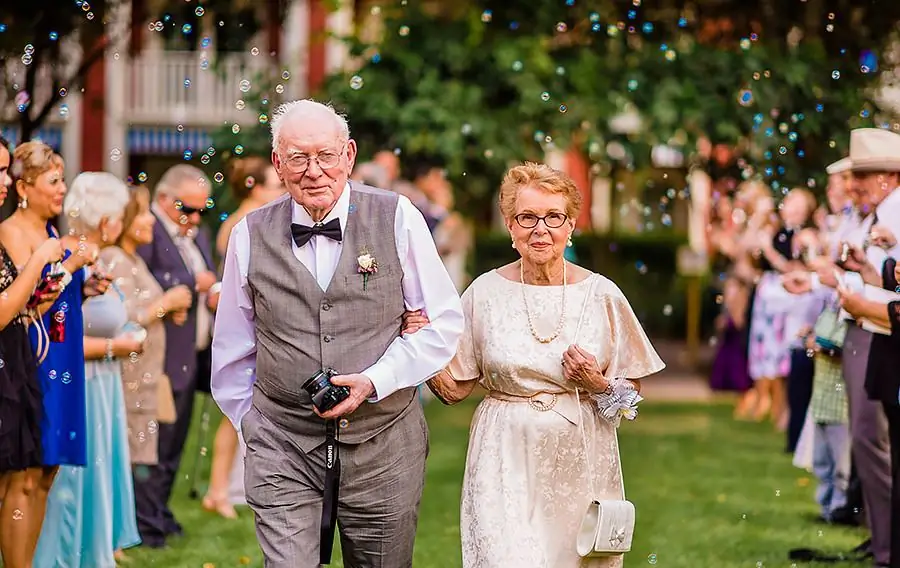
466	365
632	356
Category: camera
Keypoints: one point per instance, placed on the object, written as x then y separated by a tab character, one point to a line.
325	395
845	253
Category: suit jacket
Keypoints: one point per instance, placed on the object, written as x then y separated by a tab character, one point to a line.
169	269
882	378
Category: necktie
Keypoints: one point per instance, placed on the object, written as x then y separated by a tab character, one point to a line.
302	234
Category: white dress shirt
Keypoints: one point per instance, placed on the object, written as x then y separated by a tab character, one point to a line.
409	360
196	264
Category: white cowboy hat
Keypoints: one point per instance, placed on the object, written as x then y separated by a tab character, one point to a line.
874	150
839	167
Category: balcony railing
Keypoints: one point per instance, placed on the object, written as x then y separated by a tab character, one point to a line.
166	87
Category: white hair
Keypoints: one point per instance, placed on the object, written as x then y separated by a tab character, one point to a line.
92	197
176	177
305	109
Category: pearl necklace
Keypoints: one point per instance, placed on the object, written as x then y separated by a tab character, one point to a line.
562	316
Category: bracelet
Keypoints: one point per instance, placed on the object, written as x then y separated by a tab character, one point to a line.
109	351
619	401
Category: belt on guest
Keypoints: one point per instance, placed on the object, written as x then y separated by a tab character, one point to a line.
330	494
566	404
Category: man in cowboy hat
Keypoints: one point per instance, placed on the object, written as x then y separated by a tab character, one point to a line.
874	163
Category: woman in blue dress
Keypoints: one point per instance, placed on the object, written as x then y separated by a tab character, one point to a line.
91	511
56	336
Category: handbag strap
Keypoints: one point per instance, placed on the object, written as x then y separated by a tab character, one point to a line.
587	459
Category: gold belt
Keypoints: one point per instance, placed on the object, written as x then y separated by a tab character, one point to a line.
566	404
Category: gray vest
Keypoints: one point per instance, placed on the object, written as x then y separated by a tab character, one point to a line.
300	329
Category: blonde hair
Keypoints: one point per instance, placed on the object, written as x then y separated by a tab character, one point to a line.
807	196
542	177
138	197
32	159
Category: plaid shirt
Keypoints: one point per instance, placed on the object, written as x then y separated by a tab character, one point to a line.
829	397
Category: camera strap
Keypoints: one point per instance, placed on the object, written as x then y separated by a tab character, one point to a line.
330	494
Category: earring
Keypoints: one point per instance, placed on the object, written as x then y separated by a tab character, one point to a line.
569	242
104	237
514	244
24	203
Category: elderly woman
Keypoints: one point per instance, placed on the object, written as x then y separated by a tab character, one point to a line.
20	393
554	345
57	332
90	513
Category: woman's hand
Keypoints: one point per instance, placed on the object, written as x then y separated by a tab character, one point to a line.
49	252
179	317
125	345
96	285
582	368
414	321
177	298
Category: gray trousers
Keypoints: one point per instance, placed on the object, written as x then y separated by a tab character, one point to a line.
870	442
378	508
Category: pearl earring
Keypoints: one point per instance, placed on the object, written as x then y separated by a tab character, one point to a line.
514	244
24	203
569	242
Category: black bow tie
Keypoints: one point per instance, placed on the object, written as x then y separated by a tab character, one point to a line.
302	233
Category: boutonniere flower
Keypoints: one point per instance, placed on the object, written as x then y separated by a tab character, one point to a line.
366	265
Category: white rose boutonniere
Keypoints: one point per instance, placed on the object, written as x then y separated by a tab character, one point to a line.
366	265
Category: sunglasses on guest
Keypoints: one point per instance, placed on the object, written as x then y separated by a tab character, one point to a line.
188	210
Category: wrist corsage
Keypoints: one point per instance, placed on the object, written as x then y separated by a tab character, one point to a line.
618	401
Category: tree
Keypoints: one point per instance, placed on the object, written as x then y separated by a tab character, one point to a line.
498	81
39	45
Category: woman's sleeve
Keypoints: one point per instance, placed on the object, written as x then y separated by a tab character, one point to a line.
887	274
632	355
894	317
466	365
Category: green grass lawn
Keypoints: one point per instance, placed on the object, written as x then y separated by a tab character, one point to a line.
709	492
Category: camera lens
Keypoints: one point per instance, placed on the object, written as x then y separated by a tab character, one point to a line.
316	383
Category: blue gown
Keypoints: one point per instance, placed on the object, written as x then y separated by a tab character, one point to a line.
91	510
61	376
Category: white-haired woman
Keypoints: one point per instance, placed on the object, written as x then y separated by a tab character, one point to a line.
559	350
90	512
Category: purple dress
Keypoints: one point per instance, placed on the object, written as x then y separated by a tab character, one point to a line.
729	370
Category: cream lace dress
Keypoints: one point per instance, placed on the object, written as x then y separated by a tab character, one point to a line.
526	485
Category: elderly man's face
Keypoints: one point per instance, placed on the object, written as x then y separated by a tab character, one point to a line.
872	188
188	208
314	163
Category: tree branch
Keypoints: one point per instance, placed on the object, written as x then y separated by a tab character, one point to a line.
75	79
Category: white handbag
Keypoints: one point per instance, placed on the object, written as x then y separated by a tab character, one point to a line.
607	528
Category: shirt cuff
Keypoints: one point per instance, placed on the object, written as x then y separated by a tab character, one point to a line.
854	281
383	379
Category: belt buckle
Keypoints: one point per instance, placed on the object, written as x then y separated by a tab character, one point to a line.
540	405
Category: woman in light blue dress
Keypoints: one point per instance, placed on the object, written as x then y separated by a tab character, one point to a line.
91	512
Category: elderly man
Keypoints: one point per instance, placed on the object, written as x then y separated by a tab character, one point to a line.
320	279
181	253
870	240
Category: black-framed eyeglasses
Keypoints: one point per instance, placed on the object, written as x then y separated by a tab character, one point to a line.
326	160
551	220
188	210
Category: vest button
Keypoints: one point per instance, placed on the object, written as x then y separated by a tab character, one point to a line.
326	307
328	338
343	423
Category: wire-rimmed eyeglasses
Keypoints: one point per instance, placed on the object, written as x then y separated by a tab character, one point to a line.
326	160
551	220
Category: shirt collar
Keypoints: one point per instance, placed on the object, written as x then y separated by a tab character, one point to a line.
888	203
340	211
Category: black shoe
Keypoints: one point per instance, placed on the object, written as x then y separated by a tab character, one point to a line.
845	516
864	548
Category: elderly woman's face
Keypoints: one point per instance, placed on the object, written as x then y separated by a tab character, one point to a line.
540	227
46	193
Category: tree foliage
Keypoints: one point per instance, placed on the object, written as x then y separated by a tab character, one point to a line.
497	81
39	43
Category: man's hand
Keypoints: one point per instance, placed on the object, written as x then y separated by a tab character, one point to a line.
852	302
204	281
361	388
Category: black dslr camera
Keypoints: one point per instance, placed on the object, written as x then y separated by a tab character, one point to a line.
325	395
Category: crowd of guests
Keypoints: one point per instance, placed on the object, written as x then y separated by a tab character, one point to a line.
809	331
108	293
